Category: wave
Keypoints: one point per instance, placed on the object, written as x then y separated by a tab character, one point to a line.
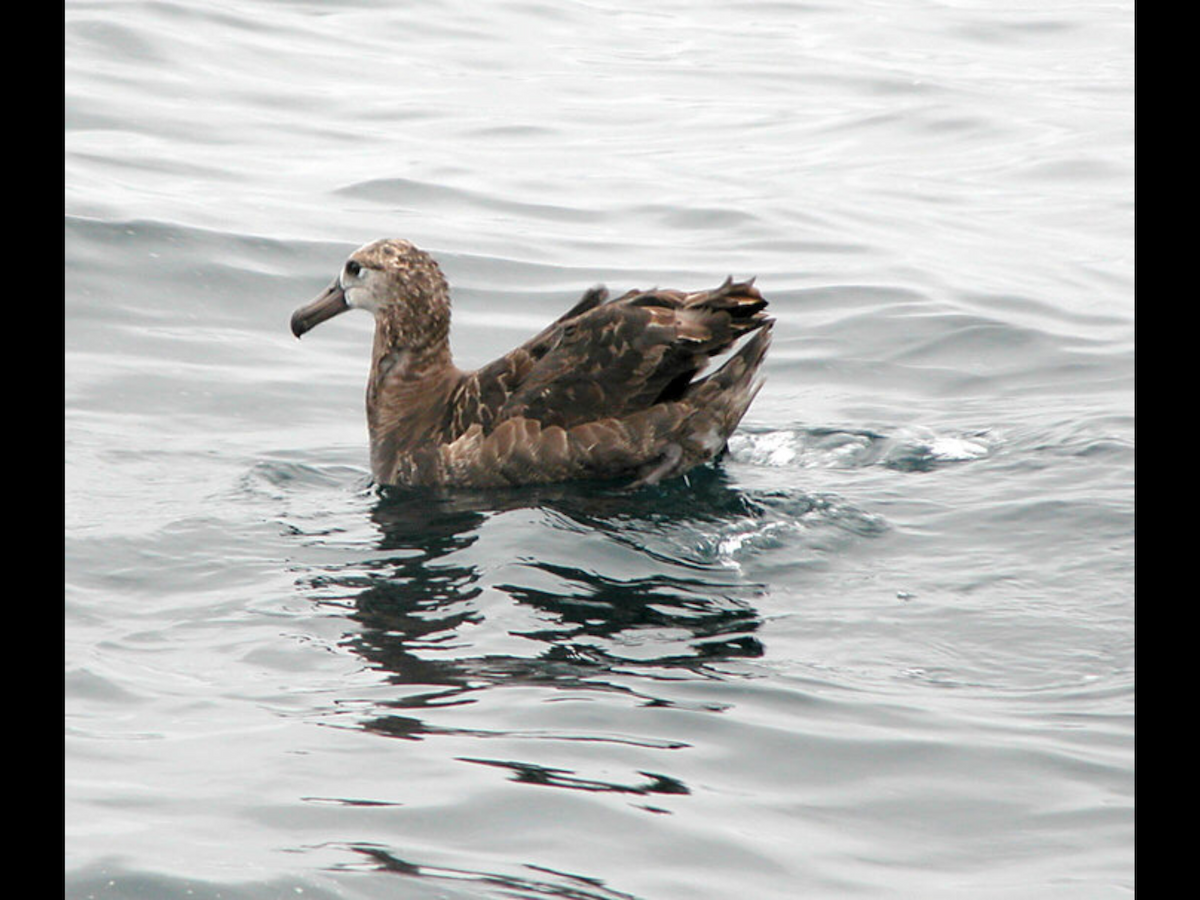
909	449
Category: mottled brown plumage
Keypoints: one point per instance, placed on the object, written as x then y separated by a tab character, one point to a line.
608	390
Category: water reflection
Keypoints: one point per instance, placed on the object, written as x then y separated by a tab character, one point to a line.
529	773
417	597
535	633
605	608
544	882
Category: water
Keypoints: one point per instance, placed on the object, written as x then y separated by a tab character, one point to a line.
883	649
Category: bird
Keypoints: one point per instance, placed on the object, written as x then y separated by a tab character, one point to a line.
611	389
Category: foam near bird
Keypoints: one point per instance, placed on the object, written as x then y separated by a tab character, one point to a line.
611	389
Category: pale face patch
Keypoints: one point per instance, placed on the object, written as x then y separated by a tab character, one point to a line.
360	285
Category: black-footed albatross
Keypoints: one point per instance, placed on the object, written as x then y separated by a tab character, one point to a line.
607	390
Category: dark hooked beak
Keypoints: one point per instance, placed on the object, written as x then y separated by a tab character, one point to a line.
328	304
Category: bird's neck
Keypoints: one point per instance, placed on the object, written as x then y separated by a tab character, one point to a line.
406	394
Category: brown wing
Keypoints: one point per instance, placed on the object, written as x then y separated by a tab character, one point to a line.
481	394
608	360
650	443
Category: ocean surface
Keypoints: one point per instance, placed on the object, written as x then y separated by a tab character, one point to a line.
883	648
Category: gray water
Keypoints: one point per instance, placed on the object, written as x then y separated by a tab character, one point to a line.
883	648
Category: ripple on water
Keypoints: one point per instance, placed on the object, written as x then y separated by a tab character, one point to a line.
908	449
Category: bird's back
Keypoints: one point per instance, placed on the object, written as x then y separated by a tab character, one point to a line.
609	389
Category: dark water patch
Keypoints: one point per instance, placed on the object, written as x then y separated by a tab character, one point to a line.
531	773
91	686
412	194
107	38
706	218
997	31
545	883
595	616
412	728
533	133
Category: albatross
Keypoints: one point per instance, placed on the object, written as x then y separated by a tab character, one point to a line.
609	390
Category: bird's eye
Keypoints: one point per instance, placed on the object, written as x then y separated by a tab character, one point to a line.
353	268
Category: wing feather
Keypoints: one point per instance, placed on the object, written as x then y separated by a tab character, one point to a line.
602	389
